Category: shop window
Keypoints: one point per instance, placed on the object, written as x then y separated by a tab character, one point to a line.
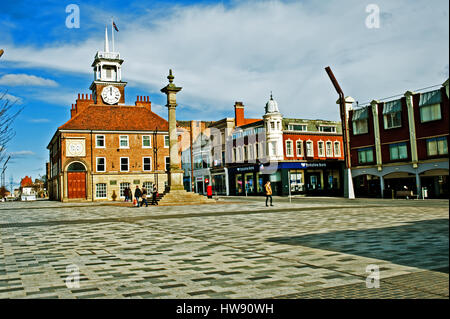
100	190
122	188
239	186
398	151
437	146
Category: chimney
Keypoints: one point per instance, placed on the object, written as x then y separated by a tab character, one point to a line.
239	114
144	101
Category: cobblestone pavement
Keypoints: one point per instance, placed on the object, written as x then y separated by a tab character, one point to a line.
310	248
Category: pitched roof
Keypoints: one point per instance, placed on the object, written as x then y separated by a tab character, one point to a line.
116	118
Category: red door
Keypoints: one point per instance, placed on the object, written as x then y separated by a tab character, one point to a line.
76	184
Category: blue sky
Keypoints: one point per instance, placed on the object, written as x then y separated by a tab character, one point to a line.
221	52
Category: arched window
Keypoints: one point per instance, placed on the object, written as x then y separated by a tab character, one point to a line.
76	167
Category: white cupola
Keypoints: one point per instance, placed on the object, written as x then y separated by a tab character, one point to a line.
273	123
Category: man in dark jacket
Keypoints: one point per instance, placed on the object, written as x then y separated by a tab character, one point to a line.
154	195
144	197
137	194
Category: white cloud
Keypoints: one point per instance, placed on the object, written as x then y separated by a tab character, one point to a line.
26	80
39	120
21	154
240	53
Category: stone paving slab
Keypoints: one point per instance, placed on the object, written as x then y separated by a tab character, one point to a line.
305	249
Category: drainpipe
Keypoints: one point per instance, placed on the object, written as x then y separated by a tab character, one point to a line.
351	194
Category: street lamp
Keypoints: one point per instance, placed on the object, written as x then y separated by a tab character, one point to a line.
155	154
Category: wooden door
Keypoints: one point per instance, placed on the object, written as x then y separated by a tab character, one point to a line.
76	184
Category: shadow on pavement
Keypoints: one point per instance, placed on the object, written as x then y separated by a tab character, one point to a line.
422	244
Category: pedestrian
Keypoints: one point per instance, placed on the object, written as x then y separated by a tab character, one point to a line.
130	194
125	193
268	193
137	194
144	197
209	191
155	195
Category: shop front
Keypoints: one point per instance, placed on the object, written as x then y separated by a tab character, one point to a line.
219	179
311	178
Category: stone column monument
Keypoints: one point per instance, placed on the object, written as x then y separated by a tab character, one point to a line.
175	177
177	194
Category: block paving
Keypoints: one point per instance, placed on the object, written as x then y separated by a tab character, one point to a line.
310	248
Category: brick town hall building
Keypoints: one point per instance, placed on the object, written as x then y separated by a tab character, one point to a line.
107	146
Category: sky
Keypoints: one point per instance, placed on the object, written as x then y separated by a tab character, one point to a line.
220	52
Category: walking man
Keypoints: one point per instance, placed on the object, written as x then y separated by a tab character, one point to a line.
268	193
155	195
125	193
137	194
144	197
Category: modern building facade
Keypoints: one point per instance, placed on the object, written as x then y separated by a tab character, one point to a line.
402	144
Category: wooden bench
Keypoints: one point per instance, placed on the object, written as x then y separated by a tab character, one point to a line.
406	194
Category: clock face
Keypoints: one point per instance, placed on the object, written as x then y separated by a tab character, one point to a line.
76	148
110	94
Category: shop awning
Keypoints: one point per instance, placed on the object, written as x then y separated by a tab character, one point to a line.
361	114
429	98
392	107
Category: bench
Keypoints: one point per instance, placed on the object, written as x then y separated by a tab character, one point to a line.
406	194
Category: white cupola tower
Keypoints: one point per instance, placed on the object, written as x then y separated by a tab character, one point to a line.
107	67
274	130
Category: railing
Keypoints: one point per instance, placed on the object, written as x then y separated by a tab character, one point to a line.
107	55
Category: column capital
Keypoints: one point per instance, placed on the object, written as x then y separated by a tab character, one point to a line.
409	93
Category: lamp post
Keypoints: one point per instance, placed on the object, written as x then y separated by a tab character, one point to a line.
343	111
155	154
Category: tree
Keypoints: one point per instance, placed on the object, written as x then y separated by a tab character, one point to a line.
8	113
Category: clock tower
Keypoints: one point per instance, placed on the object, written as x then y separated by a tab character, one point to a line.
107	87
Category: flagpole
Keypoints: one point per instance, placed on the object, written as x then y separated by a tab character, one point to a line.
112	31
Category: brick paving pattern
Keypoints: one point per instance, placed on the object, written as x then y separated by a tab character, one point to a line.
312	248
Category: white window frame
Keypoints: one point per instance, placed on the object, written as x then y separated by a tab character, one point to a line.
143	164
128	164
168	141
97	190
332	126
120	140
301	148
291	154
291	127
96	164
104	141
339	148
329	154
320	154
149	138
310	154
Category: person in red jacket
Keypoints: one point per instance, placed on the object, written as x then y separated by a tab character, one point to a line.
209	191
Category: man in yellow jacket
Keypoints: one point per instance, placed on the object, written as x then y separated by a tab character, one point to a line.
268	193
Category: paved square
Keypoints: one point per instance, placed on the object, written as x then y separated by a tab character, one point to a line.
310	248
